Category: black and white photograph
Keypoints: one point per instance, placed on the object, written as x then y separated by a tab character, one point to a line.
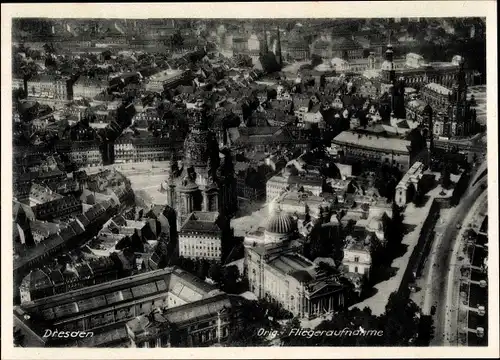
187	182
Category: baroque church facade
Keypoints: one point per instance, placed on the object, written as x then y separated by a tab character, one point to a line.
203	181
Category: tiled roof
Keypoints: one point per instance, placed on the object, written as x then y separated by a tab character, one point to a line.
438	88
198	310
201	222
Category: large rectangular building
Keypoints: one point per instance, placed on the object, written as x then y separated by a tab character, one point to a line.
278	273
119	301
160	308
200	236
82	153
87	88
48	87
391	151
166	78
278	184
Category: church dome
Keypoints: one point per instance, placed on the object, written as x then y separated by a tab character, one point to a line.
196	148
188	185
280	223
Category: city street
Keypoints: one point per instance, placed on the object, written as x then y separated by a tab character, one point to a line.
440	270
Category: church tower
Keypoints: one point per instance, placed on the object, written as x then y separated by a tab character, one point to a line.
279	59
371	61
388	70
188	191
428	125
462	117
398	99
265	47
459	90
171	192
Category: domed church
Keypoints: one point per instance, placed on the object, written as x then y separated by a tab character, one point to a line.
280	228
204	179
278	272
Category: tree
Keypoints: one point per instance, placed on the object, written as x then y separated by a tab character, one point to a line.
319	242
316	60
307	216
202	268
18	94
419	199
18	337
445	177
49	48
215	272
243	60
400	320
417	141
230	277
269	63
177	40
253	318
327	269
394	229
386	181
425	331
271	94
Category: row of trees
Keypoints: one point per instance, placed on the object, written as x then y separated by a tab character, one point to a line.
384	252
227	277
400	325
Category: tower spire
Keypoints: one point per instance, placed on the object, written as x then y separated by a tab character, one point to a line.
265	48
278	47
460	83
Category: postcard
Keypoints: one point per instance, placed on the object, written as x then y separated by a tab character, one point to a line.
225	180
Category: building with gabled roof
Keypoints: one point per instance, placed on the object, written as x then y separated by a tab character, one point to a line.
44	282
201	235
